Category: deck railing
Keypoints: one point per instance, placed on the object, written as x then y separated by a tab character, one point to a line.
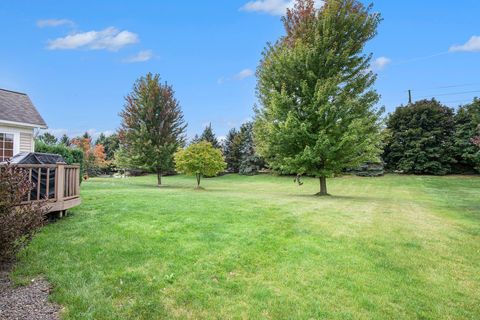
71	182
58	184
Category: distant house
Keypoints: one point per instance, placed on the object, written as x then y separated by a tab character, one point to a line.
18	119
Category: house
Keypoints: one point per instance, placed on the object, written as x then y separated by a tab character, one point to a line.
18	119
56	183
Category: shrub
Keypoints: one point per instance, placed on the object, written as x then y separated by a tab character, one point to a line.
420	138
200	159
19	222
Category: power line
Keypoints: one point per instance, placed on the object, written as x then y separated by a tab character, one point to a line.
421	58
457	101
449	94
446	87
457	86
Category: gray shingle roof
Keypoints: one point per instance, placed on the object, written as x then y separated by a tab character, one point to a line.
17	107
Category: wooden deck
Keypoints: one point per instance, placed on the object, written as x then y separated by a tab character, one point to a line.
58	184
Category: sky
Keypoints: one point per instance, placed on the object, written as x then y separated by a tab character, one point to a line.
77	60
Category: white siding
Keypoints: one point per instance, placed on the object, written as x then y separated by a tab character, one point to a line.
26	142
23	137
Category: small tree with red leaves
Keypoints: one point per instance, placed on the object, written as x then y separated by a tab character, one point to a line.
152	126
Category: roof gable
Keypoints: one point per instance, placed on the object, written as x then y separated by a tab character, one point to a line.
17	107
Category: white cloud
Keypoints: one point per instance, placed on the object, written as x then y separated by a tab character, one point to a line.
245	73
273	7
57	132
142	56
472	45
54	23
381	62
110	39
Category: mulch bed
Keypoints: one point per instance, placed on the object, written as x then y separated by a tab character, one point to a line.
25	302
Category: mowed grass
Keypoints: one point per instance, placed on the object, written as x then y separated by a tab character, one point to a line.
262	247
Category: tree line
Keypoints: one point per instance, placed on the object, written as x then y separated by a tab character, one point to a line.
427	137
317	113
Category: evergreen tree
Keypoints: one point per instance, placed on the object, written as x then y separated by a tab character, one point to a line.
209	136
315	87
110	143
152	126
231	150
101	138
250	161
421	138
196	139
48	139
65	140
467	124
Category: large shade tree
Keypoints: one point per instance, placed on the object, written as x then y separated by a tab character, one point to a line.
152	126
316	113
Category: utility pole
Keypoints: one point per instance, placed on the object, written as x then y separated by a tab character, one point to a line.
409	96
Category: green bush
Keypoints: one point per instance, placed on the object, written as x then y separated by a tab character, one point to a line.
421	138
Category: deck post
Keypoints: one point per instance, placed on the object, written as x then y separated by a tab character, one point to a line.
60	183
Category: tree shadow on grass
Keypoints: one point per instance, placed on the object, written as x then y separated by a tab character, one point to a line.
162	187
336	197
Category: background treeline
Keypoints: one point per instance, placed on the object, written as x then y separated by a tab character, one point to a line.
425	137
95	157
238	149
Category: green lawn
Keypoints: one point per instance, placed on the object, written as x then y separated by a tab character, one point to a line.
396	247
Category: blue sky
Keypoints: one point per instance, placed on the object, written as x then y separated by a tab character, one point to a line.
78	60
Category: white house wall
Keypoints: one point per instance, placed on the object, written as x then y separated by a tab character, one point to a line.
22	138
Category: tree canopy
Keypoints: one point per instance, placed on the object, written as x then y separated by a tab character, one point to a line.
421	138
209	136
467	136
110	143
200	159
48	138
94	158
316	113
232	150
65	140
152	126
250	161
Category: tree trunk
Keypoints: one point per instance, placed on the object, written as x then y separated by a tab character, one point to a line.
323	187
159	177
199	176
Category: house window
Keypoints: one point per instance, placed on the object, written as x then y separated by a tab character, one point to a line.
6	146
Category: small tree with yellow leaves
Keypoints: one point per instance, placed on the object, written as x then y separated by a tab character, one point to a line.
200	159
